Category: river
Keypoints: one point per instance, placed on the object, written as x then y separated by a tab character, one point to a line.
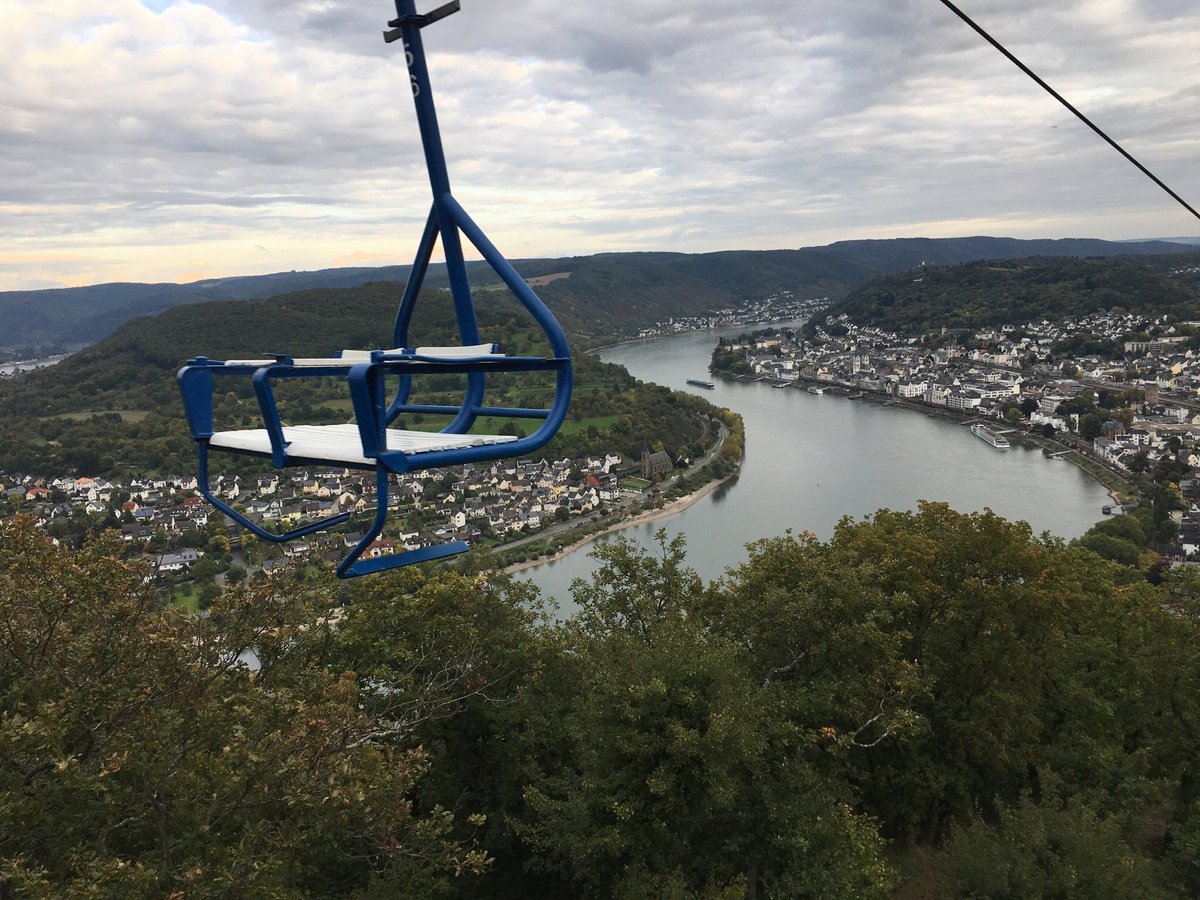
810	460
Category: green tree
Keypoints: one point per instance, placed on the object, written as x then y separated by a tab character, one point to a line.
670	770
204	569
1051	848
1090	426
1082	404
445	660
1183	852
138	760
206	594
1120	538
1172	705
992	639
1110	546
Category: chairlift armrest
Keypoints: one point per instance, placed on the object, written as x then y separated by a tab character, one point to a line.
366	395
196	387
412	364
261	381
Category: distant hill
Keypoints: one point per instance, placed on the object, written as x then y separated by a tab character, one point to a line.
1182	240
994	292
87	314
602	296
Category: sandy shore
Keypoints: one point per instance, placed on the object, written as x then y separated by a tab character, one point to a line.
674	508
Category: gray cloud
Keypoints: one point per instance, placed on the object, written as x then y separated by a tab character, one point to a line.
133	137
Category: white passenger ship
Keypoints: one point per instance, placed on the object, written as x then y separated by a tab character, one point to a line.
999	441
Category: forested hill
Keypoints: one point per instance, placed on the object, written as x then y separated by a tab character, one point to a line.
603	295
86	314
995	292
114	407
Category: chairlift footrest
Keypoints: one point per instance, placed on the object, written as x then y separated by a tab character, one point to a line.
396	560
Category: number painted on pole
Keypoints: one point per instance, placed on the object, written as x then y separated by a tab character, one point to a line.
409	59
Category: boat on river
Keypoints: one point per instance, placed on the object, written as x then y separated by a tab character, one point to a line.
696	382
816	390
997	440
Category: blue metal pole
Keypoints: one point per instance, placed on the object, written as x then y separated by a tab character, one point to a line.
439	179
415	277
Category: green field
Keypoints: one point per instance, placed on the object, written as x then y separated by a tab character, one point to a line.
185	596
599	422
127	415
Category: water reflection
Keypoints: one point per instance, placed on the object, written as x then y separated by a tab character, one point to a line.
723	489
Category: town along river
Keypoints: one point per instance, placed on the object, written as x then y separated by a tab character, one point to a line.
810	460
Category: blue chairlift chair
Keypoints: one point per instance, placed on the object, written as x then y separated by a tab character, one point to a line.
369	442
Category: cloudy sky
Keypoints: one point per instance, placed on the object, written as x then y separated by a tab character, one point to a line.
173	140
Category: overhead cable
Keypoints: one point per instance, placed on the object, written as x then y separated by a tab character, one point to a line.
1061	99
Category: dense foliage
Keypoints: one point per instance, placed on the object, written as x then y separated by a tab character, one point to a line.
1018	291
930	696
138	759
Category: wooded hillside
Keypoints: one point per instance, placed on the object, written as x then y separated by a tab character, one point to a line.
114	407
994	292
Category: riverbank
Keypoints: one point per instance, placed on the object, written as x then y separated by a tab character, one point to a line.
674	508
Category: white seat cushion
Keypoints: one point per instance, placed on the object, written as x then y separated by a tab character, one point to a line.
472	351
342	443
351	357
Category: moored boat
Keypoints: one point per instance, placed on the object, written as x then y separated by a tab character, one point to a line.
816	390
999	441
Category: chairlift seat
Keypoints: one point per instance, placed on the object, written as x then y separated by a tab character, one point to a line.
343	444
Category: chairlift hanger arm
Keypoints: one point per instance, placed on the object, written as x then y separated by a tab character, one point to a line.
417	21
